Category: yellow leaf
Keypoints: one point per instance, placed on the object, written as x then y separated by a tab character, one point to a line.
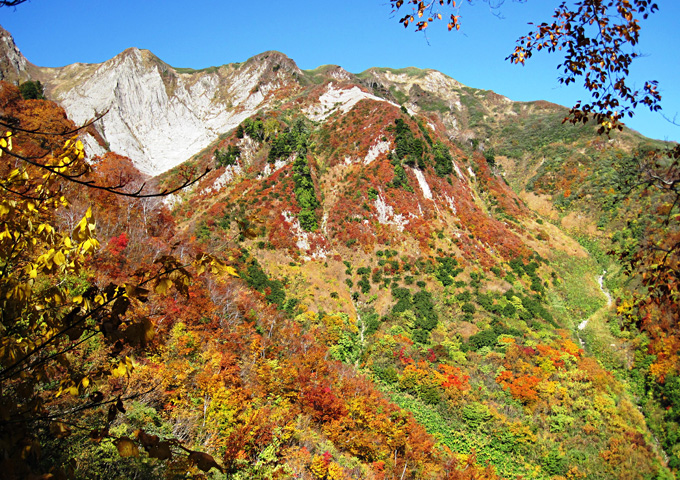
231	271
85	382
163	286
119	371
59	258
126	447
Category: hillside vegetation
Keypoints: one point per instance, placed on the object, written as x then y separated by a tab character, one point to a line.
377	279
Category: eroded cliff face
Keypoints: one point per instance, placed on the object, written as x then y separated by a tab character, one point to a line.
157	116
160	116
13	65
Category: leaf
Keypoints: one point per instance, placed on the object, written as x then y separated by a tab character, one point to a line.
161	451
111	415
126	447
145	439
98	435
119	371
59	258
96	397
134	291
163	286
229	270
59	430
203	461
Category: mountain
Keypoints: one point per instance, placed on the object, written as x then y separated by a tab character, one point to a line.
150	105
417	287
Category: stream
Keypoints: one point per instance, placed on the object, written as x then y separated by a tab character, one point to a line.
584	323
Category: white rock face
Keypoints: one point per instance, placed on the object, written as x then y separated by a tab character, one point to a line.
386	215
375	151
458	171
302	238
422	181
451	203
338	98
230	172
278	164
160	124
12	63
92	148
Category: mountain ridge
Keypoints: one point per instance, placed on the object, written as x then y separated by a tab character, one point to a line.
197	105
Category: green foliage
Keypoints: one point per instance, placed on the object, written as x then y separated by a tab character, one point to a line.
400	179
256	278
227	157
485	338
476	414
423	307
490	156
404	300
406	143
443	162
446	270
536	133
32	90
554	463
202	231
423	130
305	194
364	285
253	128
294	140
468	308
399	96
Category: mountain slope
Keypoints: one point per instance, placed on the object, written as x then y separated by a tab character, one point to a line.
381	254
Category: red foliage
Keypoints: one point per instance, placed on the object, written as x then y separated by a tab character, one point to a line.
118	244
454	378
324	405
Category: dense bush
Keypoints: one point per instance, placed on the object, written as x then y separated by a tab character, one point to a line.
227	157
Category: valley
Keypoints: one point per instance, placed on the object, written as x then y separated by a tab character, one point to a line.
377	275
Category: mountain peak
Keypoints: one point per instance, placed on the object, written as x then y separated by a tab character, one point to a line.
13	65
276	60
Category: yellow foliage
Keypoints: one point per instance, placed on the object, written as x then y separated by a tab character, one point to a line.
318	466
335	472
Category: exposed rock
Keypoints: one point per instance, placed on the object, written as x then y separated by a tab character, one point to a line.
154	115
13	65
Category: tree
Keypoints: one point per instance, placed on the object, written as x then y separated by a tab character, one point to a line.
596	39
32	90
51	311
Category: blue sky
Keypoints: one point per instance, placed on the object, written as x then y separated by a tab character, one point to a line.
355	34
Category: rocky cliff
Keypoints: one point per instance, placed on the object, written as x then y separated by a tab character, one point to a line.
160	116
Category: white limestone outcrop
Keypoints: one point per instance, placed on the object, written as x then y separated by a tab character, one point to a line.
155	116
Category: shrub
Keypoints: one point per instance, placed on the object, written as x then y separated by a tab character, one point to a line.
31	90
